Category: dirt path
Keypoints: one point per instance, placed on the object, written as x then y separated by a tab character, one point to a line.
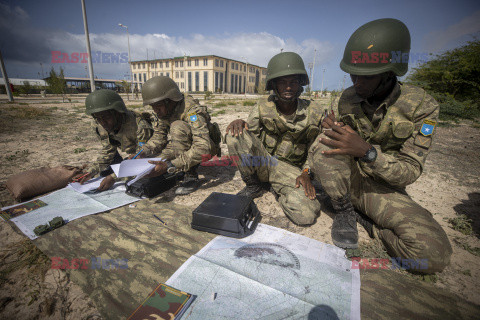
34	135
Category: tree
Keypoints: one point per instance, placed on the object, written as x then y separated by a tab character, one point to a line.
26	88
453	79
56	83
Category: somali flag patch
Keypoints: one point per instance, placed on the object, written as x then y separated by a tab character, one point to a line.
193	117
428	127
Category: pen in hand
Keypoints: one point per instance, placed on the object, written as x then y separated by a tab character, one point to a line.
137	154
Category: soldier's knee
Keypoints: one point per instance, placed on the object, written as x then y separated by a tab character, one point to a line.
179	129
438	256
302	213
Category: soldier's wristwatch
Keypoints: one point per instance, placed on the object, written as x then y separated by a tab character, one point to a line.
170	167
370	156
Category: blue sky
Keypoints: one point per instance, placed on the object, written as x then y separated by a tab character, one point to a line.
257	30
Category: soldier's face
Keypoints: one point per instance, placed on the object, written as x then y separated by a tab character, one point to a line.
163	108
287	87
106	119
365	86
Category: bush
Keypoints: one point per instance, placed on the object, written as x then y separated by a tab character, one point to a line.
249	103
452	109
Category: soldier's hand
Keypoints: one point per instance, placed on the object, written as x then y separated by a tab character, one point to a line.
344	140
330	120
304	180
160	168
237	126
82	178
106	183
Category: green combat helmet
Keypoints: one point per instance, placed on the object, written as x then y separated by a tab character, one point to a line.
104	99
285	64
41	229
160	88
376	47
56	222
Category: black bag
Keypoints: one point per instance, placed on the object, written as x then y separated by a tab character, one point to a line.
226	214
151	187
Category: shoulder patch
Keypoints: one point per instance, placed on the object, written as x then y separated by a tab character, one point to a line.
193	116
428	126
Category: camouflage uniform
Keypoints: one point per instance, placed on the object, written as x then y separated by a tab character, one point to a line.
189	128
282	143
135	131
378	189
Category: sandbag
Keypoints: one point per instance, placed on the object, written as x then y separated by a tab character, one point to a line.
35	182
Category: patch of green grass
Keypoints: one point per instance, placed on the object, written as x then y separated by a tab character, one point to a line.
23	103
218	112
79	150
461	223
221	104
52	108
17	155
135	106
447	124
28	112
466	272
475	251
249	103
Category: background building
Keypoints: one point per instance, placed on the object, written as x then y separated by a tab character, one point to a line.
203	73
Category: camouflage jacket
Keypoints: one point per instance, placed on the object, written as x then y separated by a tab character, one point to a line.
401	129
135	131
198	118
287	137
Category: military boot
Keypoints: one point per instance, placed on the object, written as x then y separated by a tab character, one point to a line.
190	182
253	188
365	222
344	228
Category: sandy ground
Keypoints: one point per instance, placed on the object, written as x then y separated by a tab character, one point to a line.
36	133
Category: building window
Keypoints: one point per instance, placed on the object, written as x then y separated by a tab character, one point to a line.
153	65
236	66
134	77
134	66
189	63
181	64
216	63
216	81
176	74
181	74
232	80
176	64
197	80
144	77
143	65
182	85
240	83
221	81
168	74
167	64
196	62
160	64
205	62
205	80
221	63
189	81
233	65
161	73
236	83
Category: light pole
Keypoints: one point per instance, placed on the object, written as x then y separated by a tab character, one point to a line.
246	79
323	75
310	66
313	69
129	61
87	40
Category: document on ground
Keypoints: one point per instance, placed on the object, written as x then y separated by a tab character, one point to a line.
272	274
70	205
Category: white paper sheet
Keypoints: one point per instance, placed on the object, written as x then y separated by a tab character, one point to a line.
90	185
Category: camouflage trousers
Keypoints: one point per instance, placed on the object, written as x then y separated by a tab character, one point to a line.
407	230
181	141
255	160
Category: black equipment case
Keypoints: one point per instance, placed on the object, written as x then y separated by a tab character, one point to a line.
226	214
151	187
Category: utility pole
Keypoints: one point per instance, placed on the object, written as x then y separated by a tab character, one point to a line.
323	75
313	69
129	60
87	40
246	77
310	67
5	77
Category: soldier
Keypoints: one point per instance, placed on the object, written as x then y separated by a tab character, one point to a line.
117	128
192	135
378	146
274	146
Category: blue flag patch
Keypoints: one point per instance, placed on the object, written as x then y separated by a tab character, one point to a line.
193	117
428	127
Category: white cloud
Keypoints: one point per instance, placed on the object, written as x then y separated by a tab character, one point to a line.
438	40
